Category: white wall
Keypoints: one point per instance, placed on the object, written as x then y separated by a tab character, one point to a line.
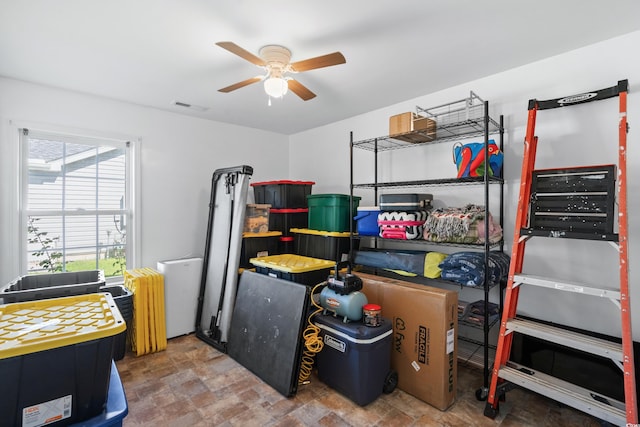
178	156
581	135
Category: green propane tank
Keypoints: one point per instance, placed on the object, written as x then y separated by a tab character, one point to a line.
349	306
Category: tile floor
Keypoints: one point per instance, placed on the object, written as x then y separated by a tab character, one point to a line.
193	384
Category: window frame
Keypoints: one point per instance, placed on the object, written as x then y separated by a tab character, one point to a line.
89	138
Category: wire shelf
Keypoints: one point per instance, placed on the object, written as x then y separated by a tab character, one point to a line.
422	279
477	325
431	182
472	353
454	121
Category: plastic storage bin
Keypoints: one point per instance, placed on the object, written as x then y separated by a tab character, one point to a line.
124	301
256	218
255	245
41	286
332	246
56	357
295	268
282	194
330	212
117	407
285	219
356	359
286	245
367	220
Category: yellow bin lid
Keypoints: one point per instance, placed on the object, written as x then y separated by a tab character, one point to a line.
32	326
291	263
320	232
248	234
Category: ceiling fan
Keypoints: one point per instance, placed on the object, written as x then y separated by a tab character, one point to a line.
276	61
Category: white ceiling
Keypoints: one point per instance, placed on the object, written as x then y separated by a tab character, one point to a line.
154	52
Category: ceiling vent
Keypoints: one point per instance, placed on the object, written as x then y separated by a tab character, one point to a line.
190	106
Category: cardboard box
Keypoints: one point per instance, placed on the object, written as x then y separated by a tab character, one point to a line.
406	123
425	332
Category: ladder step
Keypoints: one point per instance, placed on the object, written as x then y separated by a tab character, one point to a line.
592	345
577	397
565	286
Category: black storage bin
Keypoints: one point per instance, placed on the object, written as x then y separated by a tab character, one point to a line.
53	375
285	219
286	244
53	285
282	194
123	298
332	246
256	245
295	268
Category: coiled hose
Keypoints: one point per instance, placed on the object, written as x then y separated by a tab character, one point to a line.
312	341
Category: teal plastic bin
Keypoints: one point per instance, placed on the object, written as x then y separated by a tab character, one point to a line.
330	212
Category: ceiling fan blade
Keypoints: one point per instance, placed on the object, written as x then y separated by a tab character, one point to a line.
328	60
234	48
240	84
300	90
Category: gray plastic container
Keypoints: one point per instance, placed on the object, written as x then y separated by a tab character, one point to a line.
53	285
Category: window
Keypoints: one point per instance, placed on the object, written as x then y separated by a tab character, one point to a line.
76	204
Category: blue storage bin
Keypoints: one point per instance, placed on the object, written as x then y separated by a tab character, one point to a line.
367	221
117	407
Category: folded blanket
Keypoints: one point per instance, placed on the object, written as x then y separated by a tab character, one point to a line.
460	225
476	312
467	268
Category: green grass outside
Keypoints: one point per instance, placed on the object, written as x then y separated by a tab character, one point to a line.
107	265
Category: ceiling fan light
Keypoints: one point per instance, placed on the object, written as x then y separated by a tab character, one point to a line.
276	87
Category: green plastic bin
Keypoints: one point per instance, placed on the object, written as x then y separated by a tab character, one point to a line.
330	212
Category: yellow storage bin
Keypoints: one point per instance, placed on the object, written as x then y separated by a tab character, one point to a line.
55	358
296	268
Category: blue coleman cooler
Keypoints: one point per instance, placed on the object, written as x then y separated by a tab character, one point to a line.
356	359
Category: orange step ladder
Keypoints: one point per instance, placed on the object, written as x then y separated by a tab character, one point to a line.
543	211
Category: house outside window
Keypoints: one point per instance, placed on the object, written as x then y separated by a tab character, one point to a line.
76	203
